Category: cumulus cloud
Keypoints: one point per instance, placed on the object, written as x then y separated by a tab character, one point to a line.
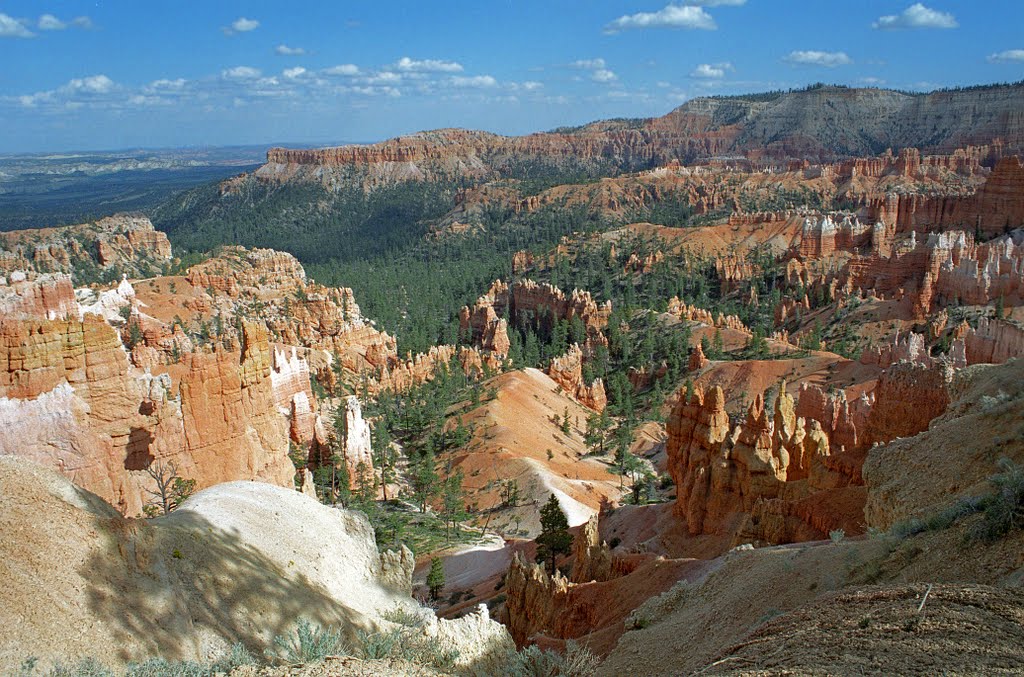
531	85
94	84
285	50
342	69
241	73
603	75
427	66
49	22
241	25
816	58
1007	56
871	81
916	16
13	28
588	64
475	81
293	73
671	16
383	78
711	71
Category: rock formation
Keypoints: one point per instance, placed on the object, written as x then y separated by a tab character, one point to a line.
592	560
357	445
125	244
567	371
766	131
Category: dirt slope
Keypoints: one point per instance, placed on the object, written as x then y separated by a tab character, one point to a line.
961	629
518	437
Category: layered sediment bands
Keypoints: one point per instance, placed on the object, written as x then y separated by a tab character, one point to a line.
231	426
47	296
805	125
994	341
996	207
792	472
927	273
128	243
907	398
70	400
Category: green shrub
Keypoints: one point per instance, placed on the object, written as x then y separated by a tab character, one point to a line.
1002	510
387	644
161	667
401	615
86	667
577	661
307	644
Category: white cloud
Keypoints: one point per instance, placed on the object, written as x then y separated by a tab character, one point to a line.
711	70
531	85
1007	56
670	16
715	3
241	25
916	16
342	69
476	81
427	66
603	75
94	84
285	50
588	64
176	84
49	22
816	58
241	73
384	77
871	81
12	28
292	73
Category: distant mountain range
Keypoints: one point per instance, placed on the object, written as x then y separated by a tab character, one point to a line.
818	124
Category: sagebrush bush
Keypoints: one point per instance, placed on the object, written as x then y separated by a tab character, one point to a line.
86	667
577	661
308	643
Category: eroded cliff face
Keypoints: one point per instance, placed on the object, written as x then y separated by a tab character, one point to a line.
793	472
799	126
71	400
567	371
126	244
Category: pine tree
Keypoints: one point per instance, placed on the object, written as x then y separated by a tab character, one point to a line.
554	538
384	456
453	503
425	480
435	578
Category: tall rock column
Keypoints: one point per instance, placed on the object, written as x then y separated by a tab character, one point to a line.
357	445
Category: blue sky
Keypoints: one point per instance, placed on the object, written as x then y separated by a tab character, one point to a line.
106	75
